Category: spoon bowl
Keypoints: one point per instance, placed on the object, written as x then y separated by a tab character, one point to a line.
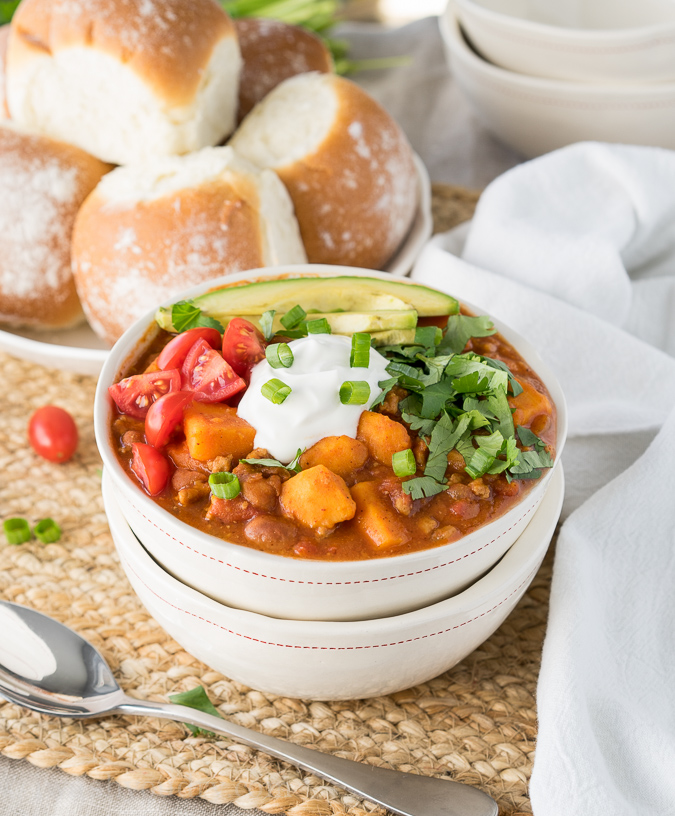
49	668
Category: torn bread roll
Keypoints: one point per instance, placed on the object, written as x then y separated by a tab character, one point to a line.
126	80
345	162
43	184
149	231
273	51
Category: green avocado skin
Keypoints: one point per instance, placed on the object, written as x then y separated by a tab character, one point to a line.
366	298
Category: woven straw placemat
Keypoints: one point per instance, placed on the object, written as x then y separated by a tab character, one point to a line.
476	723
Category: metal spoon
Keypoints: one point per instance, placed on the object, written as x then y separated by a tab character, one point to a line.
47	667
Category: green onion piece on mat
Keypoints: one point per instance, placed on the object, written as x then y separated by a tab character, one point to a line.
293	318
17	530
279	355
320	326
196	698
403	463
360	354
354	392
47	531
224	485
275	391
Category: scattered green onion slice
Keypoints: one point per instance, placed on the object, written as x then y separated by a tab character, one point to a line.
266	322
224	485
360	355
354	392
17	530
403	463
275	391
47	531
320	326
293	318
279	355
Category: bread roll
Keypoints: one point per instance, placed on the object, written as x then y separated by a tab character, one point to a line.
126	80
43	184
150	231
4	40
346	163
273	51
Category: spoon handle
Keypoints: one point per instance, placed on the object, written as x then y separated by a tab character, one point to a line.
403	793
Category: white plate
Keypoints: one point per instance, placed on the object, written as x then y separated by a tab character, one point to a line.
83	352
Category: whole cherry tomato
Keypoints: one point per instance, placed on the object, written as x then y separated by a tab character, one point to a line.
52	433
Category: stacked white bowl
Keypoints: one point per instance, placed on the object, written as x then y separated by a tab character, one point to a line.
318	629
542	74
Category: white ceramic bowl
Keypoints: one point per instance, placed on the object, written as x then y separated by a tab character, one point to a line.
591	41
327	660
534	116
299	588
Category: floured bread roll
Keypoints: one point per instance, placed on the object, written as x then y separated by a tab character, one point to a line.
149	231
126	80
273	51
42	185
347	165
4	40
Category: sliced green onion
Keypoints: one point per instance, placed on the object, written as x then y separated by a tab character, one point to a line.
275	391
293	318
320	326
403	463
354	392
266	321
428	336
224	485
17	530
279	355
47	531
360	354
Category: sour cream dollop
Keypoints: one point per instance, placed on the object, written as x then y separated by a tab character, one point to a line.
313	408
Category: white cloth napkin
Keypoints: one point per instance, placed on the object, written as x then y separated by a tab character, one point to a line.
576	251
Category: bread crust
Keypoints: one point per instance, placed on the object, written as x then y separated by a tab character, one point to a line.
273	51
356	193
168	44
44	183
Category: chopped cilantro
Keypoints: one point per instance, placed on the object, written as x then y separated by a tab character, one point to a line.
185	315
294	465
386	386
196	698
461	329
423	486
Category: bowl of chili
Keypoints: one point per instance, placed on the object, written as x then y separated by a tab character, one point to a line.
327	660
446	462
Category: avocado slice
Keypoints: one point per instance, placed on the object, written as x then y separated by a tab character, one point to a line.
395	337
324	295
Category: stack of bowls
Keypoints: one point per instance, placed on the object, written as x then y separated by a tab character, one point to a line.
544	74
318	629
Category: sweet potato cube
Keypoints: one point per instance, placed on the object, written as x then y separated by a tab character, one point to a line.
317	498
214	429
341	454
529	405
383	436
376	518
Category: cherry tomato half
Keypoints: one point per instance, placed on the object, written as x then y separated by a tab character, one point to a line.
175	351
164	416
243	345
209	376
151	467
134	395
52	433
